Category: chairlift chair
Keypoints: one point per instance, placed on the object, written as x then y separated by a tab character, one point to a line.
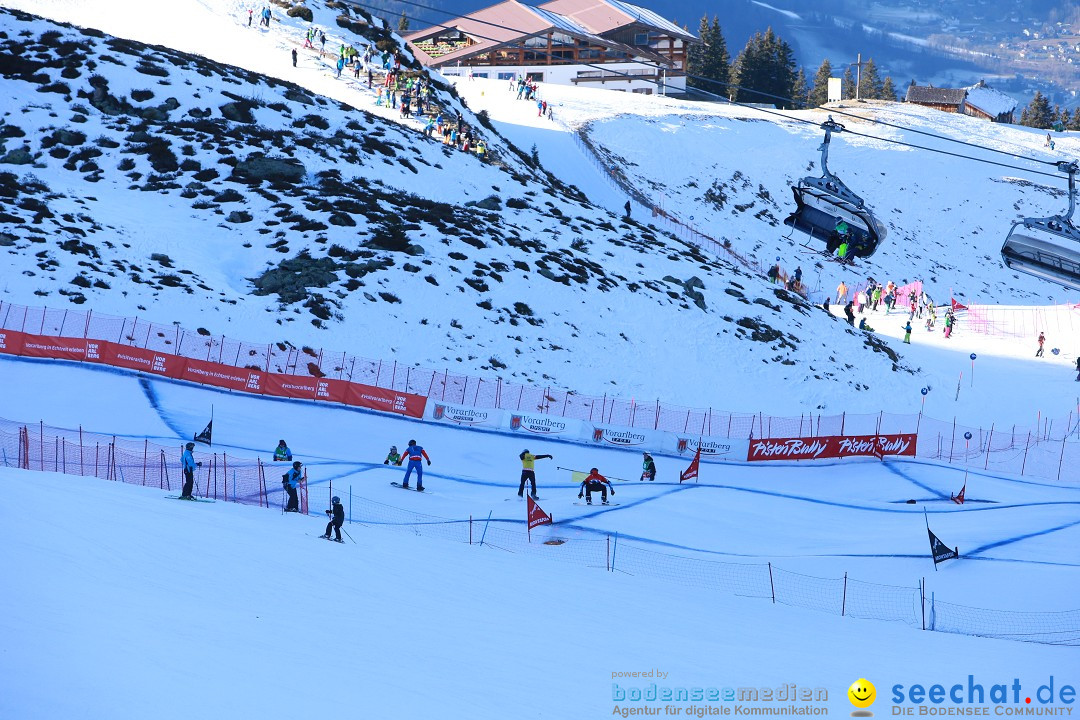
1048	248
822	202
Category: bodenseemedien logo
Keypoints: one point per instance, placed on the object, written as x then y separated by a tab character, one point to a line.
862	694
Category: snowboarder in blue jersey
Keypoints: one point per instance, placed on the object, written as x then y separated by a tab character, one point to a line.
291	481
187	460
415	455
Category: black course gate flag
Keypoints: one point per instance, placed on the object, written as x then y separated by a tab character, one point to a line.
939	550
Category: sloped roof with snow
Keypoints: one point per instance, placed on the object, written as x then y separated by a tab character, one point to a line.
499	25
990	101
603	16
935	96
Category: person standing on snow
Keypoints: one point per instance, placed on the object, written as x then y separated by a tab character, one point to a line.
841	292
849	313
393	457
415	454
1042	340
294	57
907	332
1078	369
595	482
291	481
337	519
282	453
528	472
187	460
648	467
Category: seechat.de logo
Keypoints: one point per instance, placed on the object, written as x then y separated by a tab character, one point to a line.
862	694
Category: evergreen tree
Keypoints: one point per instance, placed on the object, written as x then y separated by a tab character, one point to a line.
869	82
695	57
402	24
848	88
888	92
710	61
820	94
1038	113
800	93
1075	123
765	70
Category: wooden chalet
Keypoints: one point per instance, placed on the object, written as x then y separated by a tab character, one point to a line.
944	99
563	42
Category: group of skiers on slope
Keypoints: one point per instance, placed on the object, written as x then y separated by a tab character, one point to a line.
527	89
875	294
777	274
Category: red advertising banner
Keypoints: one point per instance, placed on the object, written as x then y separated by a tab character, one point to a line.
832	447
58	348
211	373
137	358
305	388
376	398
11	342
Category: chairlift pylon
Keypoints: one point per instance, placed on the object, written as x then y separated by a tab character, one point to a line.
1048	248
822	203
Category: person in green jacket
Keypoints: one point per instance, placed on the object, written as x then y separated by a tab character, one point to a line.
393	457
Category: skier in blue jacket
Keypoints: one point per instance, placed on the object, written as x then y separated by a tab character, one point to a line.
187	460
414	453
291	481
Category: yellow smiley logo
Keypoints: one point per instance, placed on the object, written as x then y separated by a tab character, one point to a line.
862	693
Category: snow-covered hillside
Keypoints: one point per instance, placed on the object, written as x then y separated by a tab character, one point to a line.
156	183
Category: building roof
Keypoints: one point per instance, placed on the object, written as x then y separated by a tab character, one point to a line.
603	16
931	95
992	102
499	25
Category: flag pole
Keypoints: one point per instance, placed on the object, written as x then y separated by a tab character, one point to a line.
929	530
211	443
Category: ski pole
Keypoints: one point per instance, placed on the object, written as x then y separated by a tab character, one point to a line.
350	536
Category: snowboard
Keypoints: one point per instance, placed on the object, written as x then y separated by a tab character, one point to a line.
193	499
597	504
411	487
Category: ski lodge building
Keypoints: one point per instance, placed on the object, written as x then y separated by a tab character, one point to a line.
980	100
607	44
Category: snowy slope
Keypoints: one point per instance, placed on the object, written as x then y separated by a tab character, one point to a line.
128	597
596	287
373	239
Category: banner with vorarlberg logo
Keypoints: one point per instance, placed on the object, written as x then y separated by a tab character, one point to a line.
454	414
719	448
832	447
535	424
625	437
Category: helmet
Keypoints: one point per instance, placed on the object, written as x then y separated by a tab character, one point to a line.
297	464
526	450
335	499
412	442
393	448
190	446
594	470
280	442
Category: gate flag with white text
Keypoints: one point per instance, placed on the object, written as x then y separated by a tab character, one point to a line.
832	447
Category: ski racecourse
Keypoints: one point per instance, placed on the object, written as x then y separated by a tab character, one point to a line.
754	588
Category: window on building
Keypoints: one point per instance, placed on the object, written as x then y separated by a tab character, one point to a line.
507	76
535	76
643	91
641	39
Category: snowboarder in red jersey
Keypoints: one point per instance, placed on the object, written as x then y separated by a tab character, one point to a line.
595	482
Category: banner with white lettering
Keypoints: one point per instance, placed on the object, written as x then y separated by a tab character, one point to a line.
832	447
